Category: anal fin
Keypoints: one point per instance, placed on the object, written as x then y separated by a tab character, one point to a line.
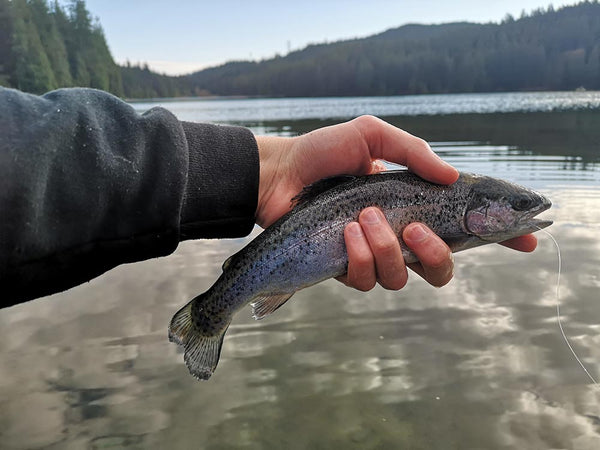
266	304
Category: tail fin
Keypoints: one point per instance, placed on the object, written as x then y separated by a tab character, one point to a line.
202	352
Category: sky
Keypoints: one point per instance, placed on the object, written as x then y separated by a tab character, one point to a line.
183	36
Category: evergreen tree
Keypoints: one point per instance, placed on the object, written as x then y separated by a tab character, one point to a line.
32	71
52	41
6	31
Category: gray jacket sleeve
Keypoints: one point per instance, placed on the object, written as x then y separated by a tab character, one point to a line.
87	184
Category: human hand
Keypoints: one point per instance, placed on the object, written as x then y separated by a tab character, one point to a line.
357	147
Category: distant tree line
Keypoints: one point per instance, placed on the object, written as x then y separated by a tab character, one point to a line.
43	47
545	50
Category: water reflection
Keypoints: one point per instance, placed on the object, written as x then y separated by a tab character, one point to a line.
521	427
260	110
479	363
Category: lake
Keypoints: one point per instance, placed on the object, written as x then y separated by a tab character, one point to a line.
479	363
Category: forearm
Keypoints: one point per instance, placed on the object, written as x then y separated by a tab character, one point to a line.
87	184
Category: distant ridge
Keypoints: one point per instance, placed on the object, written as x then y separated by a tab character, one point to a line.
545	50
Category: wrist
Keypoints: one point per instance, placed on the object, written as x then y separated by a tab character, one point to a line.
272	153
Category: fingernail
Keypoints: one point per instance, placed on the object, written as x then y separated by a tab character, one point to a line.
354	229
371	216
417	233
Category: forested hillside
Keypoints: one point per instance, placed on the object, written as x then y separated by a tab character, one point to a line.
44	46
546	50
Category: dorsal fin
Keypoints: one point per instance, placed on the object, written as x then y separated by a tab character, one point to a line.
318	187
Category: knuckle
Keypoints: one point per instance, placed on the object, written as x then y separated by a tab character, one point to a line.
386	248
422	144
367	120
363	261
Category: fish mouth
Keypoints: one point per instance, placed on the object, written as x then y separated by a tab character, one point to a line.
534	223
539	223
529	223
527	226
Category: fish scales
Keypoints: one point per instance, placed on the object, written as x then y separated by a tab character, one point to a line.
311	237
307	246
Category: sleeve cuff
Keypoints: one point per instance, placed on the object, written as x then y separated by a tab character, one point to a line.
222	186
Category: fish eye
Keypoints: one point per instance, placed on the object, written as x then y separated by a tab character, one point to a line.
521	203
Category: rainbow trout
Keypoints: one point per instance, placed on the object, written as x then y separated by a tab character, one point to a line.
306	245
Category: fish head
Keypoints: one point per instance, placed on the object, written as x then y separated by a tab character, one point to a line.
498	210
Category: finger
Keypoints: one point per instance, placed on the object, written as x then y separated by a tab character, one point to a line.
389	263
395	145
526	243
417	268
361	265
434	255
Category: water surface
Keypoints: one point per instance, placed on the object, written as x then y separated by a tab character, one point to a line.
479	363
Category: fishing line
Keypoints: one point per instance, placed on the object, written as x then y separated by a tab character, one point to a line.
558	317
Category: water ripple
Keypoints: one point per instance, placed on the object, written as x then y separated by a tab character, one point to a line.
256	111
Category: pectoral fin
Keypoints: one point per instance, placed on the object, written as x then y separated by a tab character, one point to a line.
265	305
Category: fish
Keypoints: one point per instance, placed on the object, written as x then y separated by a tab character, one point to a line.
306	245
